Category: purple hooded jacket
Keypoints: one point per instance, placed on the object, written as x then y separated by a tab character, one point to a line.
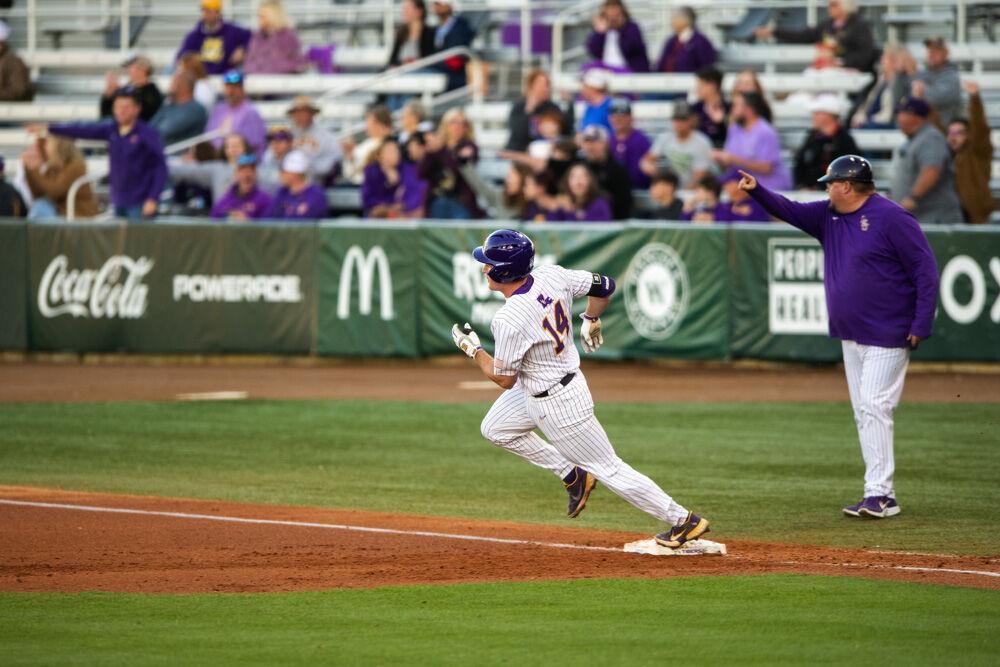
410	191
215	48
630	42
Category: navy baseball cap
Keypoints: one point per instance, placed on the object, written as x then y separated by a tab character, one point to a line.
233	76
916	106
129	92
247	160
594	133
620	105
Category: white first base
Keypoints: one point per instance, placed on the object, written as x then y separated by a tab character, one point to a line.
692	548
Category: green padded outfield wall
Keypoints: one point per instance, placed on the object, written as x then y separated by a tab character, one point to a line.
13	287
376	289
172	287
779	307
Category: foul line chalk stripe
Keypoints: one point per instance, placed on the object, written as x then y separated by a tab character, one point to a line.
415	533
306	524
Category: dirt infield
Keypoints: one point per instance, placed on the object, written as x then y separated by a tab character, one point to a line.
454	381
232	547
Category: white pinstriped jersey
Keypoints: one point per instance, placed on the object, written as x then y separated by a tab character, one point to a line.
533	330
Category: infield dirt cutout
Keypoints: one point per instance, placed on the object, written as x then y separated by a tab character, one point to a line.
213	546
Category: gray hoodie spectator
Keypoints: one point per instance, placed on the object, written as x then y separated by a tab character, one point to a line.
939	84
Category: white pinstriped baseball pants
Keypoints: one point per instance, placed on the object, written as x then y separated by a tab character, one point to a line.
575	438
875	378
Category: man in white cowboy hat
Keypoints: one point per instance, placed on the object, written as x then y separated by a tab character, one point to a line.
828	140
321	147
15	81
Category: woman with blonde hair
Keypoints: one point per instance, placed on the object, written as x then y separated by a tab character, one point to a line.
275	47
458	136
51	166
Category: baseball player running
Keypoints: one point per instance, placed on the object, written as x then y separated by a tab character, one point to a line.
537	363
881	285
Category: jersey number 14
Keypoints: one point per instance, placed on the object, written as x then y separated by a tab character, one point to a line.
561	329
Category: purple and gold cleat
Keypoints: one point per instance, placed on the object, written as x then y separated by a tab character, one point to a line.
878	507
692	528
579	484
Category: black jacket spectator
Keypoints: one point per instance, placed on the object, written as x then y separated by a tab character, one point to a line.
455	32
853	42
520	123
817	152
426	44
150	99
613	178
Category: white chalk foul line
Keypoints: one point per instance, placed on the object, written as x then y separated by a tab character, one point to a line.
306	524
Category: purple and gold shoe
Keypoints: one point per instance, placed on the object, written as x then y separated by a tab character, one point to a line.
854	510
693	527
579	483
878	507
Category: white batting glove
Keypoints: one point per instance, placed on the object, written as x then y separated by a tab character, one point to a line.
466	339
590	334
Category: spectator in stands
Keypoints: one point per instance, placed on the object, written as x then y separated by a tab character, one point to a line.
220	45
512	197
275	47
139	69
452	31
15	79
739	206
378	128
244	200
236	114
540	205
412	119
594	91
458	137
319	145
629	145
524	113
970	143
50	169
279	144
581	200
844	39
663	191
703	204
686	150
562	156
878	109
204	94
215	175
414	39
923	179
138	169
747	82
298	198
449	195
939	83
612	177
616	42
391	188
753	144
11	202
711	107
687	50
180	117
828	140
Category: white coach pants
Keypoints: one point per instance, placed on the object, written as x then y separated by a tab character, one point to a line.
575	438
875	381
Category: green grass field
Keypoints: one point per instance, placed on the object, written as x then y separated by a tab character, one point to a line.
758	471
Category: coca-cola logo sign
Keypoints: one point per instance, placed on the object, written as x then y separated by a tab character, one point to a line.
115	290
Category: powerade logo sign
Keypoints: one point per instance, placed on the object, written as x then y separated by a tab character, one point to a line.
237	288
796	301
657	291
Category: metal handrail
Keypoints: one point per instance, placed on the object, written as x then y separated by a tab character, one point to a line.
406	68
172	149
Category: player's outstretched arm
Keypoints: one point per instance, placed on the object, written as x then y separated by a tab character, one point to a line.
467	341
806	217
